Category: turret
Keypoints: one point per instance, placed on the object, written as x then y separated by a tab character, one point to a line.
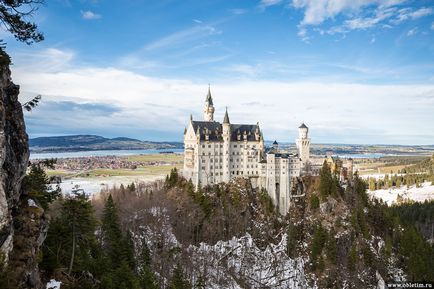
226	125
303	131
208	111
275	146
303	143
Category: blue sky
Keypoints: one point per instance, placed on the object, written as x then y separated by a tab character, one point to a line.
356	71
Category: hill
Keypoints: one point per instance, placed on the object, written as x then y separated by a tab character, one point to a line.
94	142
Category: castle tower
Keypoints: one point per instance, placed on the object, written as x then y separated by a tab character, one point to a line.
226	147
275	146
303	143
208	110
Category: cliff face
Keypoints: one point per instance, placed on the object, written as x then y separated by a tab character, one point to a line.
22	223
14	156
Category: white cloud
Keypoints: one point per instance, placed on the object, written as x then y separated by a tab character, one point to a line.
266	3
357	14
335	111
195	32
412	31
89	15
237	11
408	14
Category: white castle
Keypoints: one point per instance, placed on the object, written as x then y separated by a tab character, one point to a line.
217	152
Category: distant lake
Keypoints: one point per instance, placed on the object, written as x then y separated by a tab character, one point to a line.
80	154
177	151
368	155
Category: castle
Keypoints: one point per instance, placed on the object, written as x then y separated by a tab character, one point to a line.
217	152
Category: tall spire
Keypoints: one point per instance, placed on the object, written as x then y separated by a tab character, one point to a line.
208	110
209	97
226	118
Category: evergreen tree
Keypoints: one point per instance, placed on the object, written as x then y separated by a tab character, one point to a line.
37	184
71	241
13	16
327	183
178	280
146	275
118	249
318	242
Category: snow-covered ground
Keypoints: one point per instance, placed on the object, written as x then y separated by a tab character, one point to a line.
95	185
53	284
230	264
424	192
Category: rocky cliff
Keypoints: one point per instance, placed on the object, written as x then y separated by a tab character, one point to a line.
21	226
14	155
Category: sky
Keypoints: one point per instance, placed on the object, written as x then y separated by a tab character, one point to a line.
355	71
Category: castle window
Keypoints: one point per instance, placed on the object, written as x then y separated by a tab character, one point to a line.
203	153
209	153
203	160
211	160
235	146
211	167
203	146
203	168
211	173
209	146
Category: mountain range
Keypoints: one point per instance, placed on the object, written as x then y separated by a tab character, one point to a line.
94	142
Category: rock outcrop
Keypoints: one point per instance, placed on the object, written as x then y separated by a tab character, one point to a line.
22	227
14	154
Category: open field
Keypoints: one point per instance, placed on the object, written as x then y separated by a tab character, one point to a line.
156	170
173	158
95	173
385	165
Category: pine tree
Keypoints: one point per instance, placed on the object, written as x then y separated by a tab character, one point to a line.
118	249
326	181
178	280
37	184
146	275
71	241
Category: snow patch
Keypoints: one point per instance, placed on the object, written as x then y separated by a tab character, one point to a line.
424	192
240	262
53	284
31	203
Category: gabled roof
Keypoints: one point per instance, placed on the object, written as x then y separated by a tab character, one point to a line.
303	126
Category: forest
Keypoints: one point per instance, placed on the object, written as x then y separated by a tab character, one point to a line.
140	235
